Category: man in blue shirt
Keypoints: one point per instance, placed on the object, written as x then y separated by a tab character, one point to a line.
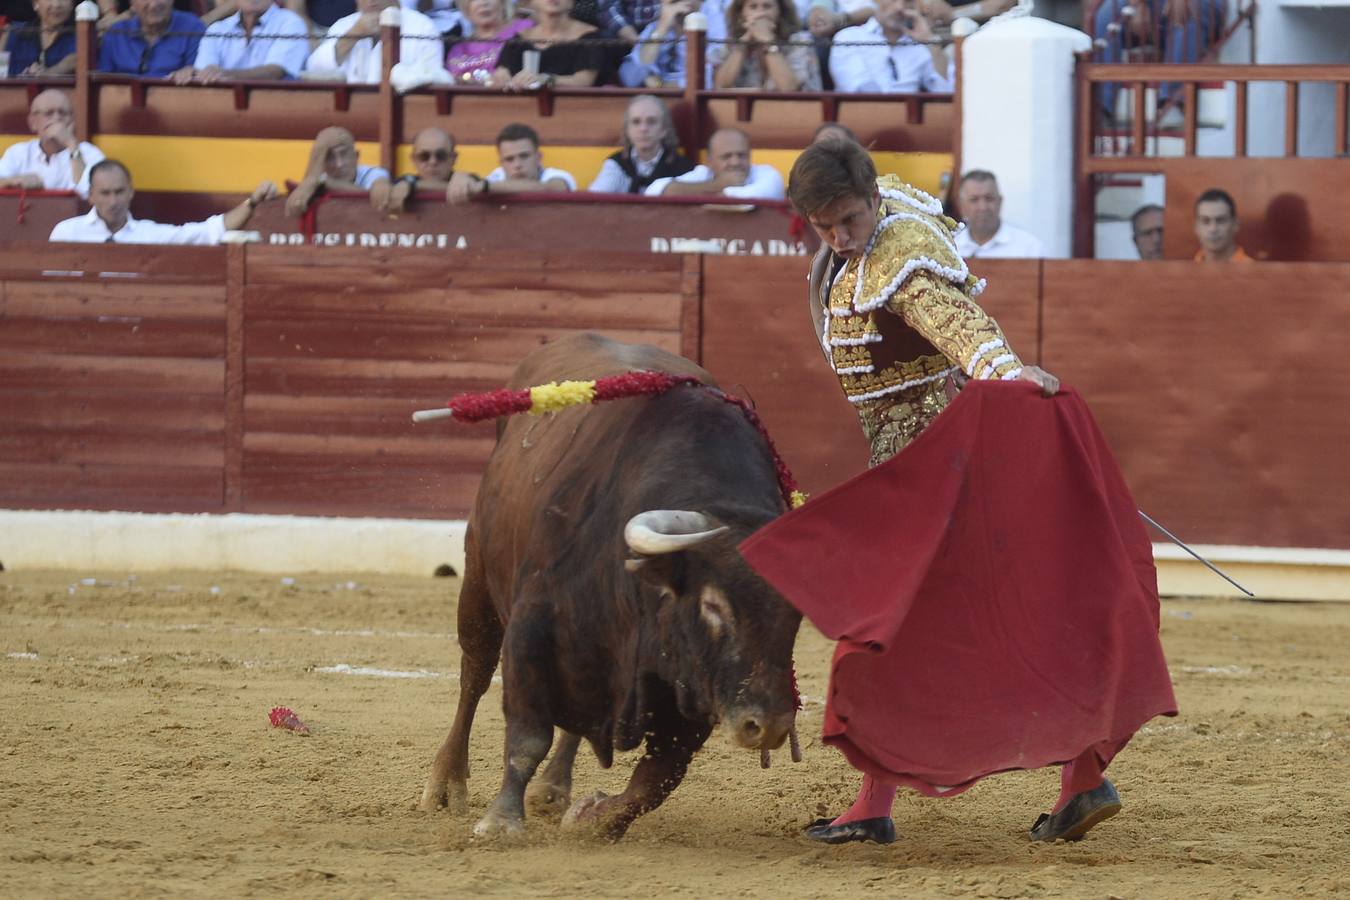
156	41
259	41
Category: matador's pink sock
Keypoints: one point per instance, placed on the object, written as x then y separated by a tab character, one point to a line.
874	801
1081	774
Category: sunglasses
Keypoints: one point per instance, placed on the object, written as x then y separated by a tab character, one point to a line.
429	155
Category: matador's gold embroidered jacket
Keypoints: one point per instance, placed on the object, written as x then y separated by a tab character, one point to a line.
900	320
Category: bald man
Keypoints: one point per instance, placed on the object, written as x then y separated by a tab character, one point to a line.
433	158
55	160
334	165
728	172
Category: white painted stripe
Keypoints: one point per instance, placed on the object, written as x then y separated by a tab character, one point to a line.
285	545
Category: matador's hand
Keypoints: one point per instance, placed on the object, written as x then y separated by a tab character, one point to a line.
1048	383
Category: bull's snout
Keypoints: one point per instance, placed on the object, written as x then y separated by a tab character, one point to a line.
755	729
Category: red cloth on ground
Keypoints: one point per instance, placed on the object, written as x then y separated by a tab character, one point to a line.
993	593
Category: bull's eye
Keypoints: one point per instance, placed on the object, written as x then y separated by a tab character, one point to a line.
715	611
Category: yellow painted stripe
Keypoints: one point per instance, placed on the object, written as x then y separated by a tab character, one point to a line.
236	165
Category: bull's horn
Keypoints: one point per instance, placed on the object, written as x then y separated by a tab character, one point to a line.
668	530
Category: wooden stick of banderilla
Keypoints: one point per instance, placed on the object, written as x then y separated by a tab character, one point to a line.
427	415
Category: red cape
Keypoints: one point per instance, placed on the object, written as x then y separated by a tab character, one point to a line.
992	590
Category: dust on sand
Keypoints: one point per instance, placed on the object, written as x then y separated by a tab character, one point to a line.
136	760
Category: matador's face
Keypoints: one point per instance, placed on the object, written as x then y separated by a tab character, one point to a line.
846	224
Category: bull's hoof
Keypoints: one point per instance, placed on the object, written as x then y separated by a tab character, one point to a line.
599	815
546	800
494	825
585	811
433	797
455	797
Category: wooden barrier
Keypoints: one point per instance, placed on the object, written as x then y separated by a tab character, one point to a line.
1288	204
548	222
1289	209
1216	390
280	379
112	377
30	216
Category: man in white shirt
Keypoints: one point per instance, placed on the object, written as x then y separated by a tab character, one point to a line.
902	64
260	41
986	234
352	46
521	171
110	221
334	165
55	160
728	172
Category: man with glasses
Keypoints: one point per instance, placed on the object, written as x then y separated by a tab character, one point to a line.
156	41
55	160
1147	224
890	53
433	157
334	165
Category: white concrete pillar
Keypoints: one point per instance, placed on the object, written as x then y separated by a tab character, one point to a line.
1017	121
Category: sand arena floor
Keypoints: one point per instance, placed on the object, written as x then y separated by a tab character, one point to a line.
136	760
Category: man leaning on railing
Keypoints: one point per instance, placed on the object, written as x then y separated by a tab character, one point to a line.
110	220
157	41
892	52
260	41
352	51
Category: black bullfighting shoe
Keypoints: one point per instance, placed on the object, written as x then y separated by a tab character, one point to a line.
1077	818
880	830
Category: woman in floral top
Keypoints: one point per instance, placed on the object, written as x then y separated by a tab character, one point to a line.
473	60
767	50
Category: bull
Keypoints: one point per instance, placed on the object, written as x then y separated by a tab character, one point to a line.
601	569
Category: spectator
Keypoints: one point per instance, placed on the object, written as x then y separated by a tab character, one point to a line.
834	131
521	171
157	40
444	14
433	156
1180	30
334	165
824	18
54	160
110	221
728	172
986	234
567	53
259	41
626	18
768	52
902	64
473	59
649	150
1216	227
113	11
658	59
1147	225
352	46
45	45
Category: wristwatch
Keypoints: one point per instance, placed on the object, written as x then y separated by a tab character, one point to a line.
411	181
483	186
772	48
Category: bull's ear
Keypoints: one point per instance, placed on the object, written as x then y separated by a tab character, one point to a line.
665	572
